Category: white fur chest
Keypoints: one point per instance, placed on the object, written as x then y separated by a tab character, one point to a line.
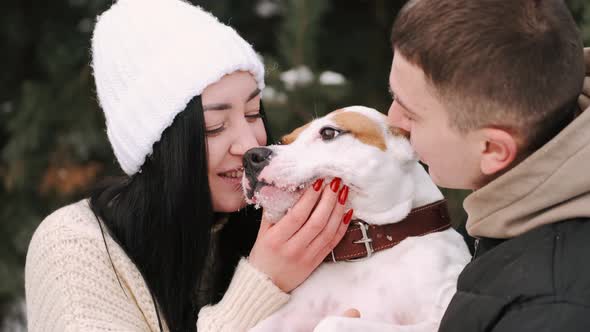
410	284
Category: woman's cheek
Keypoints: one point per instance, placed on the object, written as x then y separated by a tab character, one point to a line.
214	151
260	133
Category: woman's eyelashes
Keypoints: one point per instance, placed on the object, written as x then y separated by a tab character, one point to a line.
215	130
253	116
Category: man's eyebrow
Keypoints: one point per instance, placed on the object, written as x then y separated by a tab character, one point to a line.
399	101
225	106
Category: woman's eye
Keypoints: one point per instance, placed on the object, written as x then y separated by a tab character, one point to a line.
253	116
214	131
329	133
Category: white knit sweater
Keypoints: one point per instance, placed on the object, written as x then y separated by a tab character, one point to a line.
71	285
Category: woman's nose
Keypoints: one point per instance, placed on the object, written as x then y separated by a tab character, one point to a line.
244	140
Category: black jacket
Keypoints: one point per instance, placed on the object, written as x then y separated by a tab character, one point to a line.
539	281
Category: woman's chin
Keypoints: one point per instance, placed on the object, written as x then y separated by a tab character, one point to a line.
229	204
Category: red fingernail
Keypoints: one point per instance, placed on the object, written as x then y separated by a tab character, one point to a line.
347	217
343	195
335	184
318	184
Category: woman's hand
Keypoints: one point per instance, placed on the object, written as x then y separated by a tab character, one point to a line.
584	100
291	249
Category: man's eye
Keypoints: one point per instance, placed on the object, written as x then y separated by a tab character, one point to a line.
409	116
329	133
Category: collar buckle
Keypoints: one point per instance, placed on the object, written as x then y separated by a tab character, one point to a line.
366	240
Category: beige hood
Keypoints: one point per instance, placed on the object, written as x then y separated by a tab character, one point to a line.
551	185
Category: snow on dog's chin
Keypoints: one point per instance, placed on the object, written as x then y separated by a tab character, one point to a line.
275	201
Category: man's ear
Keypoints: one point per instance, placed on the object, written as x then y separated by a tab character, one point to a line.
499	149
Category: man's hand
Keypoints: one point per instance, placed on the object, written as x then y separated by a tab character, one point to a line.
584	99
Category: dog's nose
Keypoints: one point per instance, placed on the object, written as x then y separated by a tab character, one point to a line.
256	159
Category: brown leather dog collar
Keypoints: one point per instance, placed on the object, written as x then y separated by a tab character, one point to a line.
362	240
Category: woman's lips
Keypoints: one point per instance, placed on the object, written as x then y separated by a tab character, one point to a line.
231	179
234	173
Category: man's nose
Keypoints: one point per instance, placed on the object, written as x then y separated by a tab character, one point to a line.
397	119
256	159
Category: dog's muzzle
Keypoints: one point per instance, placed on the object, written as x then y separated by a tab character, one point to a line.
254	161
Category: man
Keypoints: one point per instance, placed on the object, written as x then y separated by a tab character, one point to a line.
487	91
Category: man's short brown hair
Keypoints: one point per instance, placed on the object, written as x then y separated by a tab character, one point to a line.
513	64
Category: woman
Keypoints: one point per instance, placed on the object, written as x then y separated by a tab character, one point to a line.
148	252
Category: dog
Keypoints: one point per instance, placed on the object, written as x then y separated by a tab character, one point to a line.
405	287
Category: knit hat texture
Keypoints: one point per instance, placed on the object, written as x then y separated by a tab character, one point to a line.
150	58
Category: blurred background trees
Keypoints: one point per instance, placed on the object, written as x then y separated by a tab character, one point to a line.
319	54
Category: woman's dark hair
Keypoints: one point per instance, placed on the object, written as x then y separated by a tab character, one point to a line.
162	217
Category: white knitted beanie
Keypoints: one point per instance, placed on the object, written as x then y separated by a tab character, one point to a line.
150	58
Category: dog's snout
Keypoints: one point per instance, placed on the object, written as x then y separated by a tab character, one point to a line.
257	158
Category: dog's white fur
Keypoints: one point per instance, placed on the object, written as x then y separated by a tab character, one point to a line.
405	288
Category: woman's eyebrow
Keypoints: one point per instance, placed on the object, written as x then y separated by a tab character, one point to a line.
216	107
226	106
253	94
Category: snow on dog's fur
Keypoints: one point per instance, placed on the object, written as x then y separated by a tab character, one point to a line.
405	288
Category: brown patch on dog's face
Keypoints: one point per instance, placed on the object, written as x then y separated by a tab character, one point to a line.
362	128
399	132
290	138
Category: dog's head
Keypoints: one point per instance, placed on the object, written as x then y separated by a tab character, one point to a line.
354	144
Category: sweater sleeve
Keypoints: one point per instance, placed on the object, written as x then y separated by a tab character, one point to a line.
250	298
70	284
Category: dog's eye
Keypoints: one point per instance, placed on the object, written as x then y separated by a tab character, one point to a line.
329	133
